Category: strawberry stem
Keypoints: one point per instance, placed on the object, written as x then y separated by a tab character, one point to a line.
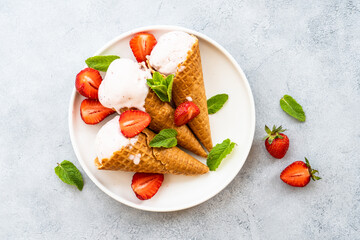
312	171
274	133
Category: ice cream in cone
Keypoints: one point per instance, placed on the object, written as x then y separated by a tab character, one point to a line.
162	115
124	86
178	53
116	152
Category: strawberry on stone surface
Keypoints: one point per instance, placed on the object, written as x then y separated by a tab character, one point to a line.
276	142
298	174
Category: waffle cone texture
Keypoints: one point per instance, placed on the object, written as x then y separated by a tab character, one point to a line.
162	117
189	82
153	160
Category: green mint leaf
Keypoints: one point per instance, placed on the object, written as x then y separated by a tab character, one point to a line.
150	82
157	78
218	153
165	138
100	63
169	83
69	174
216	102
161	86
291	107
160	90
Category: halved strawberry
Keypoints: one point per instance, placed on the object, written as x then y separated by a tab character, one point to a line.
132	122
146	185
87	82
141	45
298	174
92	112
185	112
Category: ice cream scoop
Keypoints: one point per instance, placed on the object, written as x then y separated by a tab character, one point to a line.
109	139
188	82
170	51
153	160
124	85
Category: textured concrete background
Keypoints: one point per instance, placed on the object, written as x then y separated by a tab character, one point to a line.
309	49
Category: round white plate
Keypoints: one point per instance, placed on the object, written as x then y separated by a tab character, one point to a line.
236	120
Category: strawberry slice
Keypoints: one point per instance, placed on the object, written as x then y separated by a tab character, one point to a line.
87	83
185	112
92	112
132	122
141	45
146	185
298	174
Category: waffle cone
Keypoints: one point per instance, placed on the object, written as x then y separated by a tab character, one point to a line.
162	117
153	160
189	82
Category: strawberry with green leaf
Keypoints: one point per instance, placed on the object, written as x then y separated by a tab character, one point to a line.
276	142
298	174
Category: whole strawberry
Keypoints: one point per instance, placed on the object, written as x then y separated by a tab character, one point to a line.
276	142
298	174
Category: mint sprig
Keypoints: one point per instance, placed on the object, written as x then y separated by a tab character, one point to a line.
218	153
69	174
165	138
291	107
100	63
161	86
216	102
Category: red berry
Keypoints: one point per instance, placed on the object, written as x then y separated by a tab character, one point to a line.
132	122
298	174
276	143
185	112
87	82
146	185
141	45
92	112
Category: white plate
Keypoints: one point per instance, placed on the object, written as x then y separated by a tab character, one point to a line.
236	120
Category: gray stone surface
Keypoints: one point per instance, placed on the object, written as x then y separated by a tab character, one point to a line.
309	49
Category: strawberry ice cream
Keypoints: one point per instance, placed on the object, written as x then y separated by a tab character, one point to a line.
124	85
109	139
170	51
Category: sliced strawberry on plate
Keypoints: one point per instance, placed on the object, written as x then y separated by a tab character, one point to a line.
146	185
185	112
141	45
298	174
92	112
87	83
132	122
